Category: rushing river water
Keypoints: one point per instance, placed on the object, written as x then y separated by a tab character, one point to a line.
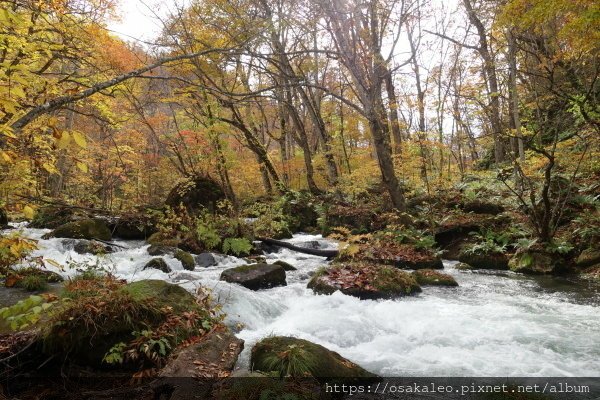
493	324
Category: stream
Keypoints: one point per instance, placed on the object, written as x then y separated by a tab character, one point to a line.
496	323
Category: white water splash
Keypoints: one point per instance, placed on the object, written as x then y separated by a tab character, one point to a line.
491	325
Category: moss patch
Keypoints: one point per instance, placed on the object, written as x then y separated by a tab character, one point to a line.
83	229
429	277
186	259
288	356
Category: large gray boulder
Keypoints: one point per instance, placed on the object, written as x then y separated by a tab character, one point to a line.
256	276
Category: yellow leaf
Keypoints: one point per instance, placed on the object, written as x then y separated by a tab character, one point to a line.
5	156
50	168
28	212
80	139
82	166
17	91
64	140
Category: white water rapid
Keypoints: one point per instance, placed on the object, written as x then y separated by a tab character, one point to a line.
493	324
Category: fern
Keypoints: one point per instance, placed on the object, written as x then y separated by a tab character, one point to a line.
237	246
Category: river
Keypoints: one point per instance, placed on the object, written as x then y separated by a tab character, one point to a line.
496	323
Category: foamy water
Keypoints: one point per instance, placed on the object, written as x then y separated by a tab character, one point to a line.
491	325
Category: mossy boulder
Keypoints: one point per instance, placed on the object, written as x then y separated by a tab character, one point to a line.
91	247
484	260
364	281
186	259
104	312
256	276
588	257
82	229
463	267
286	266
288	356
134	226
536	262
430	277
158	263
196	193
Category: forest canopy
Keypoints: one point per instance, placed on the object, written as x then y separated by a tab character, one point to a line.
266	96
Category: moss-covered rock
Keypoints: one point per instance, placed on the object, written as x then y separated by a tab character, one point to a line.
256	276
82	229
134	226
196	193
463	267
288	356
429	277
484	260
588	257
364	281
105	312
186	259
158	263
537	261
286	266
91	247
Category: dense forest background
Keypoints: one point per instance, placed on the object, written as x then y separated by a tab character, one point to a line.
411	96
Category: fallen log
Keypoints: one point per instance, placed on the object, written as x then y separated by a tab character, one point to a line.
329	253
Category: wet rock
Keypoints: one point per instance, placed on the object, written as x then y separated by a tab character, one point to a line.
463	266
158	250
490	260
482	207
275	354
588	257
186	259
256	276
82	229
364	281
159	264
286	266
205	260
91	247
312	244
256	259
429	277
537	261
